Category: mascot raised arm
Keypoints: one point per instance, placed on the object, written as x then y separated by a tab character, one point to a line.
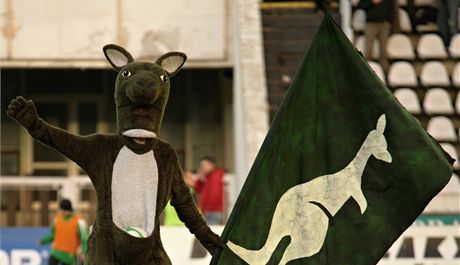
134	172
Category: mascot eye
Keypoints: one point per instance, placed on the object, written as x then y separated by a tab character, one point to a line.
164	78
126	74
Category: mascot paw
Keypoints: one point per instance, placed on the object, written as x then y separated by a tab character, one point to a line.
213	243
23	111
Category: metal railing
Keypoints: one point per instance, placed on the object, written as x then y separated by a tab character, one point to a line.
69	187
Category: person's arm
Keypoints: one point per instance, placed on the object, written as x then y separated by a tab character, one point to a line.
47	238
182	201
75	147
83	235
199	184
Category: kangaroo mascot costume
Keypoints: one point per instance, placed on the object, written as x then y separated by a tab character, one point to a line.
134	172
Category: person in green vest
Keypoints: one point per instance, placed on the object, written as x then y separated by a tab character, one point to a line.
68	234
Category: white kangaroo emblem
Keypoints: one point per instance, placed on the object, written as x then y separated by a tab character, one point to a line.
298	215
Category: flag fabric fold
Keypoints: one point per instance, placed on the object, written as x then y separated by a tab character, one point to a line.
343	171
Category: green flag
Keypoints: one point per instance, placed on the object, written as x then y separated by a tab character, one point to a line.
343	171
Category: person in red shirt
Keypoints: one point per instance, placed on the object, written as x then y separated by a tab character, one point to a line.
210	189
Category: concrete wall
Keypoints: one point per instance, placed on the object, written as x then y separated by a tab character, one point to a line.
66	33
250	88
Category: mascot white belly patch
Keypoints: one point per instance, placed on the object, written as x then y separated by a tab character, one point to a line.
134	190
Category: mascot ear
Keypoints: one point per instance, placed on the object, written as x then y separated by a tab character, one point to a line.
172	62
117	56
381	123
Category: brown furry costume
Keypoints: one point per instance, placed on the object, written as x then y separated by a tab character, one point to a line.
133	180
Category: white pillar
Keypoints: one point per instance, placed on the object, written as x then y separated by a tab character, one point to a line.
249	90
71	190
345	18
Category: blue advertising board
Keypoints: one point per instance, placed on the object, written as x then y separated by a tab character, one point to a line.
18	246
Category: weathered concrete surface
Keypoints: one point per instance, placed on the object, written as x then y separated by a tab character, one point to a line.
250	80
66	30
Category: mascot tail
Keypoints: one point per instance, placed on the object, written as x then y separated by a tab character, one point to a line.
257	257
252	257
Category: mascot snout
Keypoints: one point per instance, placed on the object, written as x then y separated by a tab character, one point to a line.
143	92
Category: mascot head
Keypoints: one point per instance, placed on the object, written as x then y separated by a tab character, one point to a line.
141	90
